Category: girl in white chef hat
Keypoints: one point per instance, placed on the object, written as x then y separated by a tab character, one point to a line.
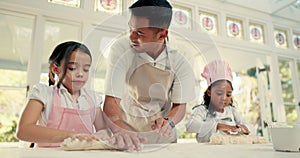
216	113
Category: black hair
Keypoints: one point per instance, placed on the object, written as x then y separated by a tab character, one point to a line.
159	12
207	98
62	52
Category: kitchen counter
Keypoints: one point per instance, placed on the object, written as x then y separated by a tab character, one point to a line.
176	150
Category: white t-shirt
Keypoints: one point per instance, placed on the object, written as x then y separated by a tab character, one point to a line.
205	125
121	58
44	93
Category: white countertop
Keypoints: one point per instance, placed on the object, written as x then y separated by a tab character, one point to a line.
177	150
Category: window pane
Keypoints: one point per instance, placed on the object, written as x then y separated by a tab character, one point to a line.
256	33
280	37
15	47
112	6
296	41
286	81
71	3
55	33
181	17
15	42
99	42
234	28
298	68
11	103
12	78
291	113
208	22
245	92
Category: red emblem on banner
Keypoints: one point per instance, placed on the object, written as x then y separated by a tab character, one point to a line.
109	4
280	38
207	23
180	17
234	29
256	34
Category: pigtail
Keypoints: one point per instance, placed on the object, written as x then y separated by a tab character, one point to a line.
51	80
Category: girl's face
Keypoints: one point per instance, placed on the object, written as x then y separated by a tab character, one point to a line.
77	72
220	95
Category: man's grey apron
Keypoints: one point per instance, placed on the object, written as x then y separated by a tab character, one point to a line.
147	98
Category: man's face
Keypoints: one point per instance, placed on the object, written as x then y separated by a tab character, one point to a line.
144	38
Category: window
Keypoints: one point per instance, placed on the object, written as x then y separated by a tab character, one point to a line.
181	17
15	50
287	86
256	33
55	33
109	6
296	41
208	22
71	3
280	38
99	42
234	28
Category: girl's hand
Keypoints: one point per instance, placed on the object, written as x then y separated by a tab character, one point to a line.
244	129
228	129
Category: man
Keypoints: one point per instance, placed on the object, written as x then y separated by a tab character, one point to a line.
147	84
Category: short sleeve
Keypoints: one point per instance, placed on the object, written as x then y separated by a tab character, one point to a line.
201	124
184	84
97	99
42	93
119	60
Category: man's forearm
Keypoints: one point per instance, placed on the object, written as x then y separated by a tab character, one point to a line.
177	113
113	114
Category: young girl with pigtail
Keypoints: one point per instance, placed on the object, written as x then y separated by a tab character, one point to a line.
64	108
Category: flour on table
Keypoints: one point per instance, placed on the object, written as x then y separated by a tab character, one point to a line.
76	144
222	139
